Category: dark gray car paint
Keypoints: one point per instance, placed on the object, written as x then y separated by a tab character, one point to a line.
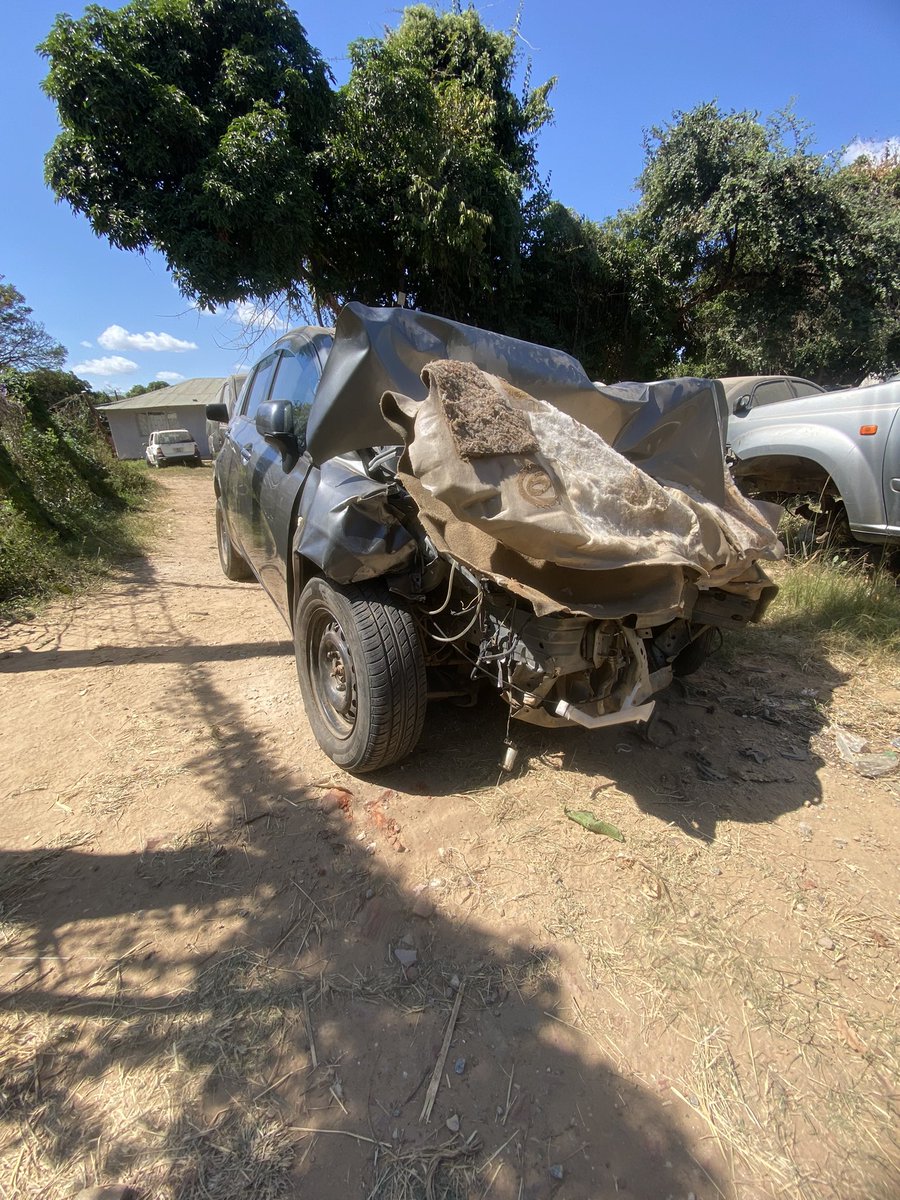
673	430
309	500
347	527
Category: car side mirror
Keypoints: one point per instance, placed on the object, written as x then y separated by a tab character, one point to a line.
275	420
743	405
217	412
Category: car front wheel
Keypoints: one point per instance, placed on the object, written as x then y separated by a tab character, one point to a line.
362	673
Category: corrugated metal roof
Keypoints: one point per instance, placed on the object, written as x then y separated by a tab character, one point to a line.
186	394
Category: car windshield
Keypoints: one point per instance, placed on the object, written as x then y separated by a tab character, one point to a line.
173	437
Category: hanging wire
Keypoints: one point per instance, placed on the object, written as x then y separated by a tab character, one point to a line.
433	612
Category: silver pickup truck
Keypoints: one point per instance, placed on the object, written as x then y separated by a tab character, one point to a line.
843	447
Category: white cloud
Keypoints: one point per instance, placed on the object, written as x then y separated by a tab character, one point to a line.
253	317
88	345
872	149
117	338
112	364
169	376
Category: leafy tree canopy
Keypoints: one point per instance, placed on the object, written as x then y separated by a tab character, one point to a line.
209	129
24	343
432	156
781	261
141	389
191	126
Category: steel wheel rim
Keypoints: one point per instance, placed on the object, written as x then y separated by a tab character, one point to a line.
331	673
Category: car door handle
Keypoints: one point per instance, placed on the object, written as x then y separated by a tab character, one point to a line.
895	485
246	451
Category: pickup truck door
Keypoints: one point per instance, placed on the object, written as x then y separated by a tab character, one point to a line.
275	474
892	473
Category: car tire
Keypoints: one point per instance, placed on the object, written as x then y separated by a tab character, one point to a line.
234	566
362	673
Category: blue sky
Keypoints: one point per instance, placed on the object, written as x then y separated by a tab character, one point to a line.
621	68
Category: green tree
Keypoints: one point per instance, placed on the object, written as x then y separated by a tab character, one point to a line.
432	158
591	290
191	126
208	130
24	343
141	389
781	261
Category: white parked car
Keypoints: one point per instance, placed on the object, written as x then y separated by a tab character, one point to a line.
171	445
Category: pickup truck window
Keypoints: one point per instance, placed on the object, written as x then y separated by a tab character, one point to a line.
296	381
259	385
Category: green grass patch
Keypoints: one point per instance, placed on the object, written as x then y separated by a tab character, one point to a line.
843	602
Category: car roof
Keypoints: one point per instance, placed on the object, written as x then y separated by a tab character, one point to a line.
295	338
736	385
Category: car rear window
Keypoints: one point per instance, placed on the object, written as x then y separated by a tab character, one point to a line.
173	437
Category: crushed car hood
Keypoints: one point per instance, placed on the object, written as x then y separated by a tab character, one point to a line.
581	497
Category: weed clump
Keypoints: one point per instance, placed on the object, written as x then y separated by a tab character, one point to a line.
65	498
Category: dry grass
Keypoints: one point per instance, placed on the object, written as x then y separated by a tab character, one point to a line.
445	1172
148	1123
778	993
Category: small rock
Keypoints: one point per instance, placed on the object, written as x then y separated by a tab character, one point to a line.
556	1171
805	830
459	1066
453	1123
370	892
715	871
395	1135
454	982
825	942
423	908
405	957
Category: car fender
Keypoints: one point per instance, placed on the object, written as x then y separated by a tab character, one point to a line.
347	528
849	459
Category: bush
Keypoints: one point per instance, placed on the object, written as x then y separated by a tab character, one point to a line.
64	497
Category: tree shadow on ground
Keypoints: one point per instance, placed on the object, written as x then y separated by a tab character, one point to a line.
258	1008
183	1017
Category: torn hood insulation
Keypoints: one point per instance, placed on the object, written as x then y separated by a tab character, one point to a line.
602	500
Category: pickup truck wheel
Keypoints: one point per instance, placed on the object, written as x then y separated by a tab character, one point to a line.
234	566
362	673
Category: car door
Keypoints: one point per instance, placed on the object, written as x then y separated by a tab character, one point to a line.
276	472
240	442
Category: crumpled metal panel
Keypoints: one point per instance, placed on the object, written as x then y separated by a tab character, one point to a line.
673	430
346	525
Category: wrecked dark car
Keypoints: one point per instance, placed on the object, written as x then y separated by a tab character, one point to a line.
430	506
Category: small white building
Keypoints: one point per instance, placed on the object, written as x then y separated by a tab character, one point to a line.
182	406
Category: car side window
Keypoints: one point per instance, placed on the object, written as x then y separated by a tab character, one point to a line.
770	393
803	387
296	381
259	384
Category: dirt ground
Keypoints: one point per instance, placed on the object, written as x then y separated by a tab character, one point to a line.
228	968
